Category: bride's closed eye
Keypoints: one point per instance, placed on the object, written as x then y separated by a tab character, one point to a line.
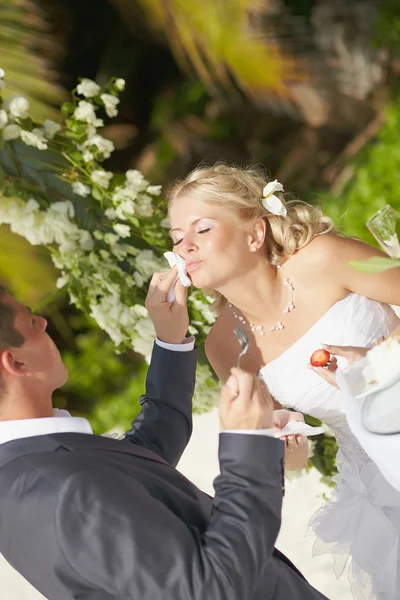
177	242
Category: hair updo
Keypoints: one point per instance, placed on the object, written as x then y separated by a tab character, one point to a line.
240	190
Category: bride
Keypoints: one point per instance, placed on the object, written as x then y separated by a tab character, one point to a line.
281	271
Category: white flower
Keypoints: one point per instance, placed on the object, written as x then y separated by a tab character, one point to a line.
127	207
271	202
139	279
3	118
154	190
144	206
34	138
110	104
80	189
122	230
86	241
148	263
120	84
86	112
51	128
61	282
2	73
146	334
91	131
165	223
87	156
63	208
102	178
111	214
203	307
32	205
11	132
106	147
136	181
19	107
111	239
88	88
123	193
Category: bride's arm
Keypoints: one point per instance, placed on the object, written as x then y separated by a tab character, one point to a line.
296	448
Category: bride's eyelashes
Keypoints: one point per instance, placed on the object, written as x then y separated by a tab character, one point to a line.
201	231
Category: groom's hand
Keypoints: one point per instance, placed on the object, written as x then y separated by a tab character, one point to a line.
245	403
170	319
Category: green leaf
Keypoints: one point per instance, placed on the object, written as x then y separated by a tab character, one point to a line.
97	194
1	177
67	109
374	265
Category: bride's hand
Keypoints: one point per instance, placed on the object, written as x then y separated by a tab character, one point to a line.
280	418
351	353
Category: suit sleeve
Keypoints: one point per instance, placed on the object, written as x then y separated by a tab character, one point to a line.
164	424
137	547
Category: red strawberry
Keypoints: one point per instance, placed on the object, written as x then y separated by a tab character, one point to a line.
319	358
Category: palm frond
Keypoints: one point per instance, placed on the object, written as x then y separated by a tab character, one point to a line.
222	42
29	50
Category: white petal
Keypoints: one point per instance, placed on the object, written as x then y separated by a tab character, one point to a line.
271	187
274	206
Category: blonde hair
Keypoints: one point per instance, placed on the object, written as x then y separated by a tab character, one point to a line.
241	190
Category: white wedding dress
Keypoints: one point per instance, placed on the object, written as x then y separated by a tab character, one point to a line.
360	526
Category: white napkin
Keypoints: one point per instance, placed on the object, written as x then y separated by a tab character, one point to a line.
299	428
174	259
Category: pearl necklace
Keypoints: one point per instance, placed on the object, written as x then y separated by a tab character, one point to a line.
279	325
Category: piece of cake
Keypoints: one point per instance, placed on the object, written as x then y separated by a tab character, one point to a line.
383	361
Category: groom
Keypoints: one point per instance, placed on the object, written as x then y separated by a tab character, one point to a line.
88	517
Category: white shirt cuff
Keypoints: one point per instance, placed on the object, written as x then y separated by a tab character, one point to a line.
187	346
267	432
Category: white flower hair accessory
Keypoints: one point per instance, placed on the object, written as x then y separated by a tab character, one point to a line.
271	202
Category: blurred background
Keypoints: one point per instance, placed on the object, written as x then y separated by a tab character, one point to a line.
308	88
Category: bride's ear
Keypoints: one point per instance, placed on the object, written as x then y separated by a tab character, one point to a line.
256	235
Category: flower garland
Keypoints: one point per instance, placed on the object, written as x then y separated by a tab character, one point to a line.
106	231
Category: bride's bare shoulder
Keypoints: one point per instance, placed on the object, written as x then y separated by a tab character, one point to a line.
323	251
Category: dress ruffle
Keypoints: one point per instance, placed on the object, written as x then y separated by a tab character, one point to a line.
360	527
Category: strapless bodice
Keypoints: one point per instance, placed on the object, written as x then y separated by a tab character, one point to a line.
353	321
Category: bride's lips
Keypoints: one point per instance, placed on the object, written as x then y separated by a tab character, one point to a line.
191	266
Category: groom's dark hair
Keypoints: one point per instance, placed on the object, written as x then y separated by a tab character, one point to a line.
9	336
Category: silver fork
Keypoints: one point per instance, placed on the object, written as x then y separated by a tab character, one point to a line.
243	342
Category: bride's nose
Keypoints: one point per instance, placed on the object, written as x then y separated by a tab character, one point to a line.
187	246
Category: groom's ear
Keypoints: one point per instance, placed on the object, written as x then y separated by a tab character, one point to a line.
11	363
256	235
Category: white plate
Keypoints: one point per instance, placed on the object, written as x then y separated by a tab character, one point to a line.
299	428
352	381
377	387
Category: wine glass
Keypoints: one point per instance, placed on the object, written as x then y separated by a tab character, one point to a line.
383	225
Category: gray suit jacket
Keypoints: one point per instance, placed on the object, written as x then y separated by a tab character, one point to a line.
90	518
